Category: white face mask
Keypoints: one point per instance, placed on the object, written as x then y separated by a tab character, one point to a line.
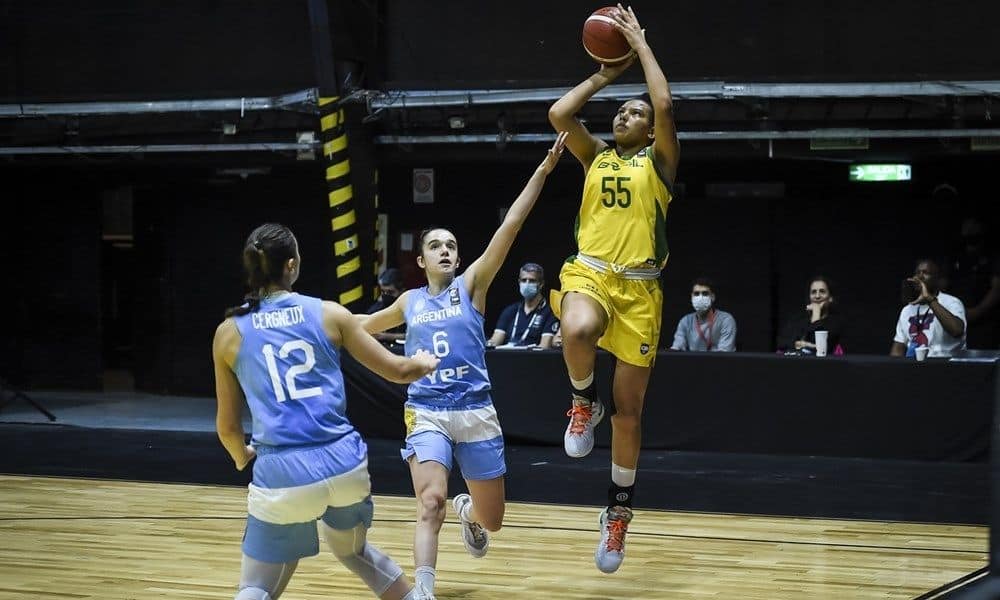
701	303
529	290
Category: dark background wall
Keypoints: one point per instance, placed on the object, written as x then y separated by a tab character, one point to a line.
63	50
189	227
793	40
51	298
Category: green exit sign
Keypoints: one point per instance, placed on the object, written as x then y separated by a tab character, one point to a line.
880	172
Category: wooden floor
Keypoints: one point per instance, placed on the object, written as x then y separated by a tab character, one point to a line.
81	538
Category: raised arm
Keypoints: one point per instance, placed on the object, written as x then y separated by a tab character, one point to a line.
666	148
581	143
953	324
387	318
344	329
481	272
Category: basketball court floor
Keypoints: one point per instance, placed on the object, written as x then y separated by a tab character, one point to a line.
132	497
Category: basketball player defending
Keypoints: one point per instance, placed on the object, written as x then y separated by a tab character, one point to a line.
449	412
280	353
611	294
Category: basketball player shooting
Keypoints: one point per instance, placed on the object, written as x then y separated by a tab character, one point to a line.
610	291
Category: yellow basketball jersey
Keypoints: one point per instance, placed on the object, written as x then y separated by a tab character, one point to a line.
622	218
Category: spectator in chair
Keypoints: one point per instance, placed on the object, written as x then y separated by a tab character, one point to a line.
930	317
707	328
820	314
529	322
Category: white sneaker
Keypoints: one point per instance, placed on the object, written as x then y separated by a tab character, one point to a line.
474	536
421	593
611	549
583	418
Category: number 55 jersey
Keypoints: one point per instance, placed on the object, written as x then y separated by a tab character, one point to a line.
622	219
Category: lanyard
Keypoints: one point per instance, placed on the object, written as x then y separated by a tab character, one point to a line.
534	317
701	334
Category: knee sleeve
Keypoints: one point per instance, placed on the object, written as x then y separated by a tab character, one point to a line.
262	580
252	593
351	548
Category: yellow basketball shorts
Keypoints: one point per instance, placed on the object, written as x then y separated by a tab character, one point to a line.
634	308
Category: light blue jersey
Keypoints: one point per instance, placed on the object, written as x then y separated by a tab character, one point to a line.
448	326
290	374
311	463
449	412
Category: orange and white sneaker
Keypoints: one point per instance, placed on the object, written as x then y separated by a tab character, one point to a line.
583	418
611	549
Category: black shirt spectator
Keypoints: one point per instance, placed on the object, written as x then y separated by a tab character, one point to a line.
820	314
529	322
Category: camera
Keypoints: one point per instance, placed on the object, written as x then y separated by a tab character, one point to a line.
910	290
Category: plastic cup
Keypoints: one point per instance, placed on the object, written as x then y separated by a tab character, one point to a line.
821	337
921	353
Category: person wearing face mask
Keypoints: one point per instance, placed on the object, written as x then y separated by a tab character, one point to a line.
707	329
530	322
930	318
820	314
975	280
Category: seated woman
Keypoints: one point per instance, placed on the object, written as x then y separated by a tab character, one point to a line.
799	331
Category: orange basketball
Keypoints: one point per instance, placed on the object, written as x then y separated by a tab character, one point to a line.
602	41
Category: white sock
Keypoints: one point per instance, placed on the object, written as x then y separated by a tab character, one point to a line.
584	383
621	476
425	576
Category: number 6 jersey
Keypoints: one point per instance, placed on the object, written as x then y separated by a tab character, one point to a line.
448	326
622	218
290	373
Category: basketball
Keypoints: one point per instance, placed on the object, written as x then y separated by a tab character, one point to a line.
602	41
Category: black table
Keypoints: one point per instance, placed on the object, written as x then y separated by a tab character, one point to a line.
862	406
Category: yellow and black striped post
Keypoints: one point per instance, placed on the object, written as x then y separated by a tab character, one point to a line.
343	218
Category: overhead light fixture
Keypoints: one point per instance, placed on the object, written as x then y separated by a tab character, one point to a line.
984	143
835	143
305	138
243	172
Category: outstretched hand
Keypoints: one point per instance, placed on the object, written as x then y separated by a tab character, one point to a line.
554	153
627	23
